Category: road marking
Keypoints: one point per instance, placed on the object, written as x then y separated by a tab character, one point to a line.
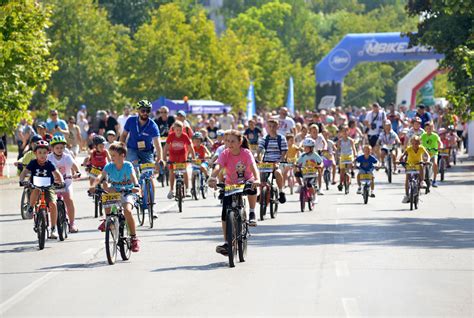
351	308
342	270
169	207
19	296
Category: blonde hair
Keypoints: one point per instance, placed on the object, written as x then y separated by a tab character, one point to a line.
178	123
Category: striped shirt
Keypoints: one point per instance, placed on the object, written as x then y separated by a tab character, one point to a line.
272	151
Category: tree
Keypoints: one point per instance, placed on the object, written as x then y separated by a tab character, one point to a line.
25	61
447	26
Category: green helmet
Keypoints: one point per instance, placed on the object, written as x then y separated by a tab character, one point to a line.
144	104
58	140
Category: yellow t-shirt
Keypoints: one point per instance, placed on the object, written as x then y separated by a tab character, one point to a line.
292	153
415	157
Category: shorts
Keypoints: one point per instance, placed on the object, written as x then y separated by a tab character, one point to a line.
373	140
327	163
227	202
141	156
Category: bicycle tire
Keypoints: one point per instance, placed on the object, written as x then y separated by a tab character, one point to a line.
24	204
427	180
151	203
111	240
179	196
346	184
389	168
242	239
231	238
96	205
125	242
365	194
302	198
327	178
61	223
263	203
204	188
273	203
454	157
416	201
412	198
140	211
310	204
441	169
41	228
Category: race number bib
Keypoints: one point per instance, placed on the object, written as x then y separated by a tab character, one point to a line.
147	167
233	189
179	166
94	172
111	199
265	166
141	145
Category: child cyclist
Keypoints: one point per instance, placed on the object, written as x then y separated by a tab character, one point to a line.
347	154
67	166
121	176
367	164
240	166
309	159
42	168
413	156
202	153
98	157
291	156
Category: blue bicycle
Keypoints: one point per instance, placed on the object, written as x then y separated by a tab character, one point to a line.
146	201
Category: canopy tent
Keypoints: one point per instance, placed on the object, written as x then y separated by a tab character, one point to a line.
192	106
162	101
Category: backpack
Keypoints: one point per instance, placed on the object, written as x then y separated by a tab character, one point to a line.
279	141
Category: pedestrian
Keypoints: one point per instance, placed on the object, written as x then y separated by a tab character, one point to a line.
107	122
122	119
19	137
55	125
74	139
83	128
226	121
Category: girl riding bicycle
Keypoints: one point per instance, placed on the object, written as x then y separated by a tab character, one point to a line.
347	154
309	159
240	166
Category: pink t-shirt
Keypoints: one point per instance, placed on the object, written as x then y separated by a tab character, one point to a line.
237	167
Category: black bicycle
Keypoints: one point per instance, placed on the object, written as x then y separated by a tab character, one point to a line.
147	200
388	163
268	191
199	186
179	171
237	227
413	183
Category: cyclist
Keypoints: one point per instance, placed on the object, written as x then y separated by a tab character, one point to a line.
178	144
321	144
275	147
240	166
413	155
253	133
431	141
291	155
308	159
390	139
67	166
201	152
347	153
30	154
416	130
329	155
219	141
367	164
42	168
143	134
121	175
99	156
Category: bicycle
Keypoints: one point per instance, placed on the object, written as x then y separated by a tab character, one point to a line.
237	227
117	236
268	192
345	161
40	215
327	169
428	173
291	175
147	200
95	172
307	192
388	164
413	183
179	171
198	184
366	181
443	161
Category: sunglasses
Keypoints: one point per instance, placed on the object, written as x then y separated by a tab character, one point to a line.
147	111
163	112
54	114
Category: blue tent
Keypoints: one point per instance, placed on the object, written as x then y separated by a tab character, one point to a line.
174	107
192	106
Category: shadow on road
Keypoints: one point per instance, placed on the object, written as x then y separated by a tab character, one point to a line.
76	266
206	267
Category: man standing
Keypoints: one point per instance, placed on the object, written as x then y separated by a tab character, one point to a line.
374	121
226	121
56	126
394	117
164	121
286	125
122	119
107	123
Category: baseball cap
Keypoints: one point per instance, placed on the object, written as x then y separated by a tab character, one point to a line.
181	112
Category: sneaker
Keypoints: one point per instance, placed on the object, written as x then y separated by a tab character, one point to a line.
222	249
282	198
320	192
435	184
359	190
395	171
405	199
73	228
252	219
315	200
170	195
372	194
339	187
135	244
102	226
52	234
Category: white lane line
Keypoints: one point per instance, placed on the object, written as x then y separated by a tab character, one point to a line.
342	270
351	308
23	293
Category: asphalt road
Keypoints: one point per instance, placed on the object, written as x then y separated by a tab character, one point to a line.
345	259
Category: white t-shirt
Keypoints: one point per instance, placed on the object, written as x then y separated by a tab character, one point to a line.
320	143
122	119
64	165
285	126
225	122
378	119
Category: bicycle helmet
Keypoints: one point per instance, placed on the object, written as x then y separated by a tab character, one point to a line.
58	140
198	135
451	128
309	142
110	132
35	138
441	131
329	119
41	144
220	132
144	104
97	140
417	120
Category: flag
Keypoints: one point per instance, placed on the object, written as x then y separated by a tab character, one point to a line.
251	109
290	101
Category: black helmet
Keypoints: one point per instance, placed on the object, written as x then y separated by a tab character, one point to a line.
144	104
97	140
35	138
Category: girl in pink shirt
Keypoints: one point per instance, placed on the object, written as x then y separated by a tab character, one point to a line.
240	167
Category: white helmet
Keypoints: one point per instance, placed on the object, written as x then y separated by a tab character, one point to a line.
309	142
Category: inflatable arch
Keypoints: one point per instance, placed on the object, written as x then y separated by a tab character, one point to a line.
357	48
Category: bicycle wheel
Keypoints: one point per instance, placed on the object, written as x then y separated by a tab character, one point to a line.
327	178
24	204
412	198
441	169
140	209
179	196
231	225
204	188
427	179
61	223
273	203
263	203
347	184
41	227
242	239
310	203
111	239
150	202
416	200
125	241
96	205
365	194
195	184
302	198
454	154
389	167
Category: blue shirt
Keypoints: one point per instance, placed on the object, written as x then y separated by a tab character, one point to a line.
426	117
120	179
50	125
138	134
366	164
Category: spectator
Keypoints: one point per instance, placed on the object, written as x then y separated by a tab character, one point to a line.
394	117
74	139
107	122
212	129
423	115
122	119
286	124
28	132
55	125
84	129
226	121
164	121
81	112
19	137
374	122
181	116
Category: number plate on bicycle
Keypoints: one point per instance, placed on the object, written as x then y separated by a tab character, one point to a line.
94	172
412	169
346	159
179	166
233	189
197	162
147	167
111	199
444	152
365	176
309	171
265	166
325	154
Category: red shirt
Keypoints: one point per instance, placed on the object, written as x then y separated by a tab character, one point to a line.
216	145
178	147
98	159
200	151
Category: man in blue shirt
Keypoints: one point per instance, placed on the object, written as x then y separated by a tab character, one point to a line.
56	126
423	115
